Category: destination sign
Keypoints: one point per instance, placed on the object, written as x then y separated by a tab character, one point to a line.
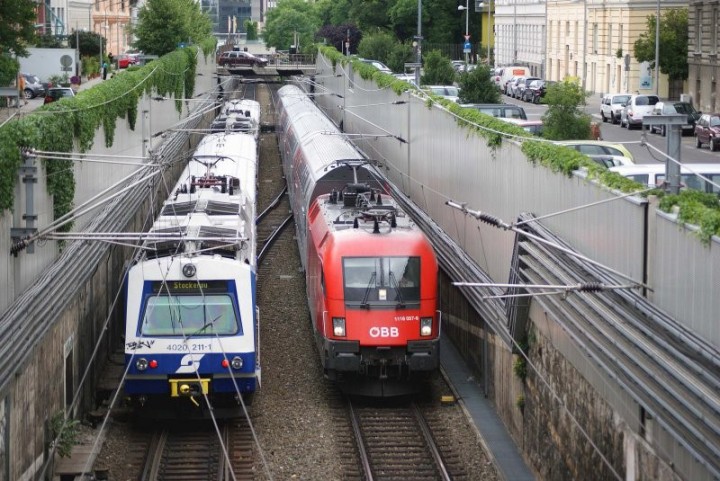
189	286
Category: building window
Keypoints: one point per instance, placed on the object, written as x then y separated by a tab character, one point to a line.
610	40
595	38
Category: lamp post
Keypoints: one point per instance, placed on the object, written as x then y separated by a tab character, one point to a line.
467	33
657	50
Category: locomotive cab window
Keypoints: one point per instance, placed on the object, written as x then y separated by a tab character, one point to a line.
189	315
381	281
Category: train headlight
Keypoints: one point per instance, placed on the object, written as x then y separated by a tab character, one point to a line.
426	326
339	326
237	362
189	270
141	364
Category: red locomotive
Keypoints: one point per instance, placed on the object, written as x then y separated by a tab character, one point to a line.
371	273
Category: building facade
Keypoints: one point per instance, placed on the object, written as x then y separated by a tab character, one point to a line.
110	19
520	30
591	40
703	31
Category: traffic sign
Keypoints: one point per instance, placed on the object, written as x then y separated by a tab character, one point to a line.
467	47
467	37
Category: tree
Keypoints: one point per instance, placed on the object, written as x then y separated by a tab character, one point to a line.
333	12
401	54
251	30
477	86
17	29
673	44
564	120
438	69
288	20
163	24
377	46
337	35
89	43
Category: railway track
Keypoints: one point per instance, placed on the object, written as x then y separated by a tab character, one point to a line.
199	452
396	443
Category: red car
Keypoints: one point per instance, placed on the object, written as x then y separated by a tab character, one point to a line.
707	131
124	60
236	58
56	93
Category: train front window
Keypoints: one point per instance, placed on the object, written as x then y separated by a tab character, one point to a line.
189	315
381	281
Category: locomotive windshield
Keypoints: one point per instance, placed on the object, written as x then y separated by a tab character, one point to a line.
189	315
381	281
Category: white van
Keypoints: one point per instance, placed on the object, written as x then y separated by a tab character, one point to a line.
653	175
504	74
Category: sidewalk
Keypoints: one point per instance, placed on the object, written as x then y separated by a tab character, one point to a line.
8	113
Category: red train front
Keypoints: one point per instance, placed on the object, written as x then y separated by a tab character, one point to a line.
372	287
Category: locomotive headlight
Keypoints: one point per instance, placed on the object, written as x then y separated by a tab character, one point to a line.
339	326
189	270
141	364
237	362
426	326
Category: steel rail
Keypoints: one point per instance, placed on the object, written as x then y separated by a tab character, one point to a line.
431	444
360	443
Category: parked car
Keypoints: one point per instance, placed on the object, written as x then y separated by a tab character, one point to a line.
653	175
670	108
707	131
236	58
33	86
611	106
535	127
377	64
449	92
508	111
536	90
636	108
598	147
57	93
125	60
514	87
504	74
507	89
522	87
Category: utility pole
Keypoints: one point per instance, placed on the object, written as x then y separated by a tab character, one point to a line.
657	50
418	45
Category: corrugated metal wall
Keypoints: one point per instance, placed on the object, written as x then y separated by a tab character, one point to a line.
443	161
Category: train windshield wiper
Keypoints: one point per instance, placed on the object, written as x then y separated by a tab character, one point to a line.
396	286
371	283
205	326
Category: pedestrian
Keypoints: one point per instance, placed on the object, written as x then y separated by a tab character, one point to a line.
110	58
104	70
21	89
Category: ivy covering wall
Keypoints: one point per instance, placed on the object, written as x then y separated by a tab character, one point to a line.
693	207
69	125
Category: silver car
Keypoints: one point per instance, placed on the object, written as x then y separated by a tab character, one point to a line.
33	86
636	108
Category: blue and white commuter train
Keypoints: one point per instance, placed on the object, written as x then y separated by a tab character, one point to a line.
191	331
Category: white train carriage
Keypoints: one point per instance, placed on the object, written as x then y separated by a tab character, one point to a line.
191	318
242	115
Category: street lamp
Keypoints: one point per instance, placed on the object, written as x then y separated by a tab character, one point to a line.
467	33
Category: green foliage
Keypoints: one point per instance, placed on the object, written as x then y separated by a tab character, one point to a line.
564	119
64	433
163	24
251	30
48	40
697	208
75	120
673	44
401	54
9	68
90	65
477	86
378	46
520	402
89	43
288	19
438	69
331	12
17	28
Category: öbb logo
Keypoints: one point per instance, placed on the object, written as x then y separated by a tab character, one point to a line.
384	332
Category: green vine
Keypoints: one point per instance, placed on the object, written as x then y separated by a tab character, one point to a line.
49	127
64	433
